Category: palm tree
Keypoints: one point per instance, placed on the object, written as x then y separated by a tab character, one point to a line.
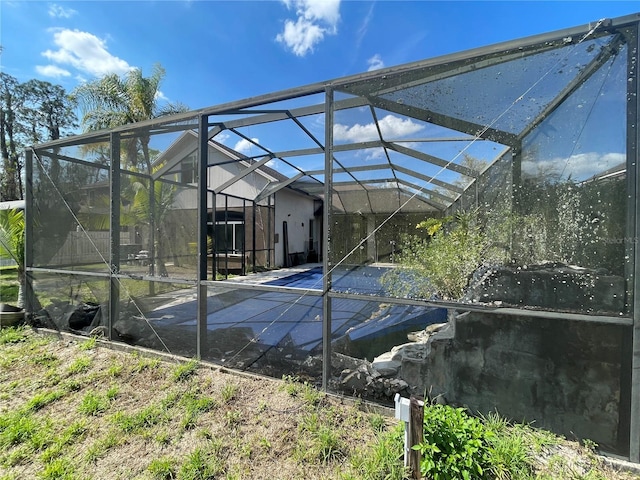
12	244
113	101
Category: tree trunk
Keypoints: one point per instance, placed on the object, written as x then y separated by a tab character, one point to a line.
20	303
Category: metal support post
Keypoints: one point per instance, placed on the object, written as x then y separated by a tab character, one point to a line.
633	277
203	151
114	261
31	306
326	217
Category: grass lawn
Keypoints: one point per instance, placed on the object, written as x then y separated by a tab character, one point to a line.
8	285
73	409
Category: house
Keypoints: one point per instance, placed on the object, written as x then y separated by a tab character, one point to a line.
256	219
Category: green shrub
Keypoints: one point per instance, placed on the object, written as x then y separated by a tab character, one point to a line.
441	262
456	446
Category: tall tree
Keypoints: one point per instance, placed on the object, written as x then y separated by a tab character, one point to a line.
10	183
47	111
30	112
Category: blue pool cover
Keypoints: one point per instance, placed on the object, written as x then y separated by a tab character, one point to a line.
294	320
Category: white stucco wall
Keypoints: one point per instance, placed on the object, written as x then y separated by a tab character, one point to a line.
297	210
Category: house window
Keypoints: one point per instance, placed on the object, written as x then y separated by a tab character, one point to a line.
229	237
188	170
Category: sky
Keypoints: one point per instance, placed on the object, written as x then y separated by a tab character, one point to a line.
220	51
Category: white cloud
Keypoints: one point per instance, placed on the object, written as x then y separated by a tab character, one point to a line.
161	96
392	127
316	18
222	137
58	11
321	10
578	167
85	52
300	36
371	153
375	62
52	71
364	27
274	163
244	145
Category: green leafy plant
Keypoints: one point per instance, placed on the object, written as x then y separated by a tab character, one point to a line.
115	370
377	421
233	418
328	445
69	436
58	469
510	455
317	441
440	262
42	399
88	344
145	364
12	244
455	446
17	427
12	335
194	405
297	388
101	446
265	444
143	419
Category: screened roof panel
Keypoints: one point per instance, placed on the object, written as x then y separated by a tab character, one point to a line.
422	169
308	163
426	188
592	124
506	96
97	153
426	124
282	135
283	168
354	199
461	152
412	202
354	125
368	175
342	177
360	158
